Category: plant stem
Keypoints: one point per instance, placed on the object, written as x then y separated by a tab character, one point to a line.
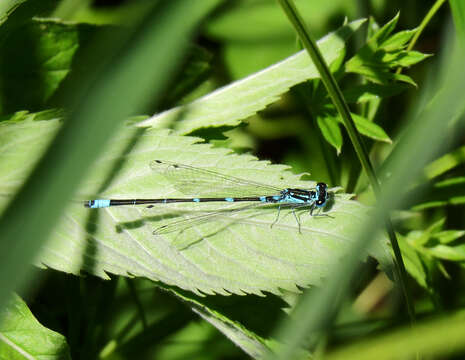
336	95
422	26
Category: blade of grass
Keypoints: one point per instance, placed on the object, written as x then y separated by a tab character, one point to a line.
425	136
336	95
424	22
438	338
138	67
458	14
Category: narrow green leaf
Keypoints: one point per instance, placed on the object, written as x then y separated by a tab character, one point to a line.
458	14
445	163
231	104
371	91
448	236
419	238
331	132
403	58
447	192
370	129
435	338
437	226
382	34
452	253
23	337
412	261
398	40
251	343
378	72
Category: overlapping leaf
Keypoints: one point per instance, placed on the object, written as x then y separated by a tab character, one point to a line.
231	104
23	337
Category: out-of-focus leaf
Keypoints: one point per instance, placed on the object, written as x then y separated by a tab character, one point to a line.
452	253
23	337
447	192
40	64
264	36
13	13
371	91
197	69
420	238
448	236
331	132
250	342
458	13
412	261
435	338
445	163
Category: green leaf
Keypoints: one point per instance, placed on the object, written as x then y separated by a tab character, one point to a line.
23	337
458	10
231	104
377	72
452	253
331	132
433	337
370	129
419	238
235	252
218	314
412	261
382	34
371	91
41	65
447	192
379	56
398	40
403	58
445	163
196	70
448	236
13	13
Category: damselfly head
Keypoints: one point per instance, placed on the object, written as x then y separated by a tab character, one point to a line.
321	187
321	194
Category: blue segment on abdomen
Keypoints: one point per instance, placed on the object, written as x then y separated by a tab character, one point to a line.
100	203
230	199
196	200
263	198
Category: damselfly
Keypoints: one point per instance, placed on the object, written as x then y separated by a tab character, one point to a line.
195	181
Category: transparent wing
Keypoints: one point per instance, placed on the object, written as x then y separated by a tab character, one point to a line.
193	229
226	215
201	182
197	219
